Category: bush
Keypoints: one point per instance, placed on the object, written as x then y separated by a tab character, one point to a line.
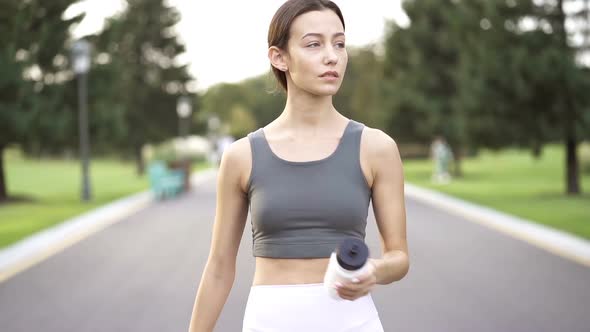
164	151
194	148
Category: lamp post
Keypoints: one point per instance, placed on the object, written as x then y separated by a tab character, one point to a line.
184	111
213	123
81	65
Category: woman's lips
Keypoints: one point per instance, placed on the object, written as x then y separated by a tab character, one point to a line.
329	76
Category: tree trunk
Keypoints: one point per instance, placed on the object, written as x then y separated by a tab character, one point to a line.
572	169
571	158
3	191
139	162
457	169
537	149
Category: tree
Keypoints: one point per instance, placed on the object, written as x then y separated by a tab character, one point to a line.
563	76
574	84
504	76
359	97
420	66
256	95
241	122
475	71
142	45
32	60
522	82
361	94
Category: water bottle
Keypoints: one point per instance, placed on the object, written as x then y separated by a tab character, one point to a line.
348	261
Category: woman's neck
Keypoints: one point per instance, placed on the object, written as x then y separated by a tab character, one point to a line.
306	112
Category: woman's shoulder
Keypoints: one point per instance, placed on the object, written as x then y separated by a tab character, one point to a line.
238	152
380	152
238	156
376	141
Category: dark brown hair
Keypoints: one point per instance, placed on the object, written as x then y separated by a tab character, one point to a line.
280	25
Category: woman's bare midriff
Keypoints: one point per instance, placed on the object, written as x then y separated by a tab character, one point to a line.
280	271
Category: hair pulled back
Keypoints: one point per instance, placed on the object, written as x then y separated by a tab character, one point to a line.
280	25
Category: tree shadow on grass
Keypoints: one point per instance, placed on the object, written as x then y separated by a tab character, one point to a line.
553	195
16	199
473	176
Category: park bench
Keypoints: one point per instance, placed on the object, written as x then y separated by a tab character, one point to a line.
165	182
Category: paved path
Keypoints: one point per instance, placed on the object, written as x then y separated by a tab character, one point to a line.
141	275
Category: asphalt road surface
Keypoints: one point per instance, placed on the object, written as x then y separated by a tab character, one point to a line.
142	274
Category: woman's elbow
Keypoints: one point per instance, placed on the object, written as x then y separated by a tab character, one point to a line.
405	267
220	267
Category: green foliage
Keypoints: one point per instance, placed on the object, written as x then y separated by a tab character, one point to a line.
177	150
420	65
255	96
472	72
503	92
255	102
141	81
362	92
241	122
32	59
164	151
32	68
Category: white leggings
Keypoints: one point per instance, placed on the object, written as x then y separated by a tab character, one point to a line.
309	308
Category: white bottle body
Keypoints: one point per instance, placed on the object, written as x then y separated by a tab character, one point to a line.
335	273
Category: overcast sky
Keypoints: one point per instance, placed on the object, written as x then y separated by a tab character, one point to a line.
226	39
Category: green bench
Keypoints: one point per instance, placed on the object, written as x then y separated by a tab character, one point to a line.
165	182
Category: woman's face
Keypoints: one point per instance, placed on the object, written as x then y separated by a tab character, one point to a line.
317	57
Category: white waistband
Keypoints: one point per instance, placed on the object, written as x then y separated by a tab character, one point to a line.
306	307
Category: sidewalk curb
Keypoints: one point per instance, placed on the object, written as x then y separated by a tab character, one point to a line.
555	241
44	244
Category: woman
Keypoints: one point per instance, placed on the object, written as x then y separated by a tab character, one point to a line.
307	177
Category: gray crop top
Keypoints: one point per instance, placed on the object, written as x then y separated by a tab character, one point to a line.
305	209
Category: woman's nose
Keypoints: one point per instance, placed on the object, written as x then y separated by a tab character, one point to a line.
330	57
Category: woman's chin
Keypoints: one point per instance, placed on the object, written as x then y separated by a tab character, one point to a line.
324	91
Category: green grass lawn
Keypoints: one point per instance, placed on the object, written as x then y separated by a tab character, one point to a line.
512	181
50	192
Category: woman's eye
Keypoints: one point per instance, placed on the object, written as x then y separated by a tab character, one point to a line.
341	45
313	45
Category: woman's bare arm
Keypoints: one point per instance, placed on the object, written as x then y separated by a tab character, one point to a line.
230	218
390	213
389	208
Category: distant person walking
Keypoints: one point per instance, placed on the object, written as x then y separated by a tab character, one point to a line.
442	155
307	178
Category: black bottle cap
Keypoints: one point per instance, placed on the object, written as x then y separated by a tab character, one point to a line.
352	254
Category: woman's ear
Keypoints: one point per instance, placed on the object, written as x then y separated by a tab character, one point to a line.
277	58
